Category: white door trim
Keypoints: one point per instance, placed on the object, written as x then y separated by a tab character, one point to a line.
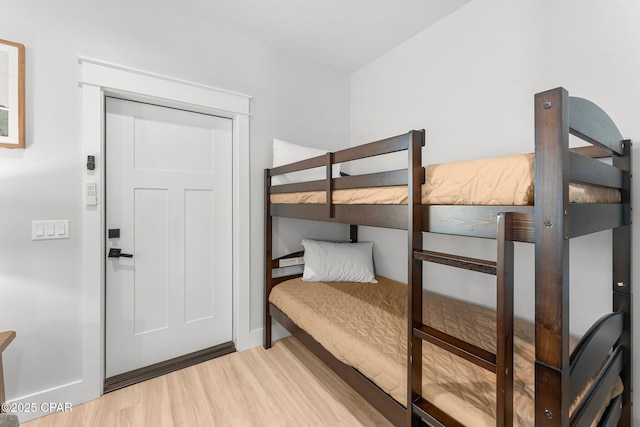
97	79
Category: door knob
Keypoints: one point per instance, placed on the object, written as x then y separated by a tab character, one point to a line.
117	253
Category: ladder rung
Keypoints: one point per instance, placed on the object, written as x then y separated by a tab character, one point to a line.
433	415
474	264
474	354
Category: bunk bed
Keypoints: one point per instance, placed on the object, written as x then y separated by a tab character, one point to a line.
571	382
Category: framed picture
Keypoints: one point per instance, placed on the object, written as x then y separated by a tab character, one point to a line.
11	94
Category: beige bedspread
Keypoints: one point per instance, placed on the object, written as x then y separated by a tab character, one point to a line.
364	325
507	181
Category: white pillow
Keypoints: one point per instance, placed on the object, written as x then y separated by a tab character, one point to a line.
338	262
286	152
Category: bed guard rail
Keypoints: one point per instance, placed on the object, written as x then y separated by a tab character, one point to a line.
590	123
329	184
596	362
557	116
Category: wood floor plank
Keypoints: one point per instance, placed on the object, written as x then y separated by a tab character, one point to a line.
284	386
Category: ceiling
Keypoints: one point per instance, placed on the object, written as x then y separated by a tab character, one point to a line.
343	34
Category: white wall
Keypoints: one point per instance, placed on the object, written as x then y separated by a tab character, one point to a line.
40	282
469	80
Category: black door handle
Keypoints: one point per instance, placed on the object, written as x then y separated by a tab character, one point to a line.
116	253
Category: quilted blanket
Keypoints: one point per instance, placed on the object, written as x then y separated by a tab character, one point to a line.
364	326
506	181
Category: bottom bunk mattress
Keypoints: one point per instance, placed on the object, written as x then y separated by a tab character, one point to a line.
364	326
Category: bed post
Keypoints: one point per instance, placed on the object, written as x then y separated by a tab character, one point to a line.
414	282
268	255
504	320
622	290
353	233
552	258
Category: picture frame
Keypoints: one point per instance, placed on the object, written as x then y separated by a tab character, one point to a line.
11	94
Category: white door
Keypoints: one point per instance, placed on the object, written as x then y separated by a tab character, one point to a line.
168	192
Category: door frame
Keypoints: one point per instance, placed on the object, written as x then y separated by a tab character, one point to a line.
99	79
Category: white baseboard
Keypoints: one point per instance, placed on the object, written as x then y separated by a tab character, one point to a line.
45	402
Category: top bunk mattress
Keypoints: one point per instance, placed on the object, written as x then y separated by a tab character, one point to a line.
501	181
364	326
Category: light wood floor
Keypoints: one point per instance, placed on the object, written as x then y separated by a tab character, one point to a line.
283	386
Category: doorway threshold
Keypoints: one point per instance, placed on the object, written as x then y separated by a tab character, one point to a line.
161	368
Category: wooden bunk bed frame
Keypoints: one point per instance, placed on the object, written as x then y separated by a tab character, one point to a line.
560	375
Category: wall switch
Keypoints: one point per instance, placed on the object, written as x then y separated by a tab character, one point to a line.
61	228
91	194
50	229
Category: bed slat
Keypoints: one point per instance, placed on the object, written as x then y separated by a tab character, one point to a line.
591	171
592	151
313	162
299	187
598	392
591	123
385	146
592	349
380	179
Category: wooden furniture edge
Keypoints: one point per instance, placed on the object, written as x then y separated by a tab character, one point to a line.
5	339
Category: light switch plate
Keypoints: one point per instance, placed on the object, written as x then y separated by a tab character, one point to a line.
50	229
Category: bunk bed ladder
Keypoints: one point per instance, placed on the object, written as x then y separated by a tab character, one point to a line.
500	362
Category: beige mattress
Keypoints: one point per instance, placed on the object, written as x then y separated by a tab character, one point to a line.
507	181
364	326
